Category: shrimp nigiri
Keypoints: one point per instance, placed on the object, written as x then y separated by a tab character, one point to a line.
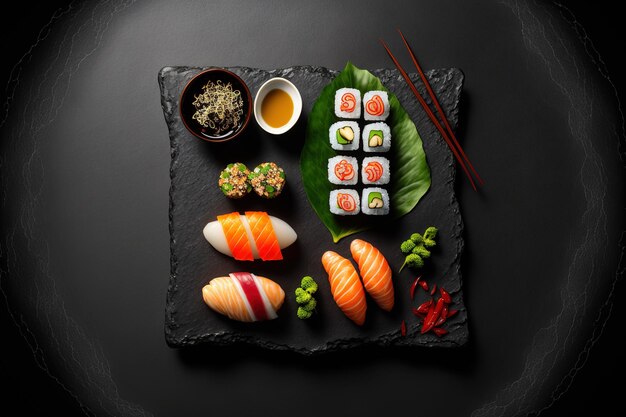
345	286
243	296
375	273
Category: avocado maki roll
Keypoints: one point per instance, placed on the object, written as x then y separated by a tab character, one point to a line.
233	180
344	136
267	180
375	201
376	137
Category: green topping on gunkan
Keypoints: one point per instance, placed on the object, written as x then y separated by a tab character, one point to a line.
267	180
233	181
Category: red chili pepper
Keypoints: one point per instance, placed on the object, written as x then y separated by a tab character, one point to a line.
424	285
446	297
432	291
442	316
424	307
439	331
452	313
432	317
403	328
418	313
413	286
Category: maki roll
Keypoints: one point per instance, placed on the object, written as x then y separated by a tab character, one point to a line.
344	136
344	202
343	170
267	180
375	170
375	201
376	137
348	103
233	180
376	105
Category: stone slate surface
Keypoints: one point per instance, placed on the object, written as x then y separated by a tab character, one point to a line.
196	200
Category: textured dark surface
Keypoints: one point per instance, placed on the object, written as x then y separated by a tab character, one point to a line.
195	200
85	179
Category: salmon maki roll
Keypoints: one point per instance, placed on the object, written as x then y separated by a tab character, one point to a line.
375	273
345	286
243	296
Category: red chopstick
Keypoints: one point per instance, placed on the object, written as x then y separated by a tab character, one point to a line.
452	145
435	101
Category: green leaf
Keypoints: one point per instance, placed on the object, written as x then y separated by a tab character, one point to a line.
410	175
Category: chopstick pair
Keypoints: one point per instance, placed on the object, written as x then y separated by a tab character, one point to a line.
447	133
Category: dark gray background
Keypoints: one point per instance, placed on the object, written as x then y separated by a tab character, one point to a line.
85	178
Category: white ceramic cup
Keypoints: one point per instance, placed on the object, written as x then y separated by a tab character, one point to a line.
288	87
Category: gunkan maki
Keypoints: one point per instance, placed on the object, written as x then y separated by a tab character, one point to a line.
267	180
234	180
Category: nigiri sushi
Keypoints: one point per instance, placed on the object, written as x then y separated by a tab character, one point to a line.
375	273
243	296
345	286
253	236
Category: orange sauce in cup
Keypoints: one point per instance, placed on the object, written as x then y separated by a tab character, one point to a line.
277	108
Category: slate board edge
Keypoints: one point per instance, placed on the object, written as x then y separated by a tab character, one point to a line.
389	339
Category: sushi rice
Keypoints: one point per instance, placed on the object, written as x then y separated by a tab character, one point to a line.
344	136
344	202
375	201
375	105
348	103
375	170
372	140
343	170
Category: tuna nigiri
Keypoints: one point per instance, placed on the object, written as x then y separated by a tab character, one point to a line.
375	273
243	296
345	286
253	236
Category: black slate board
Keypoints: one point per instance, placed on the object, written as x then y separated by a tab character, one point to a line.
195	200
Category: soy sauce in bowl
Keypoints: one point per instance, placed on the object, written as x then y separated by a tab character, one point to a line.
277	108
277	105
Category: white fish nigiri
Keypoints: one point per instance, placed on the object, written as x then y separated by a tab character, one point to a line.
251	236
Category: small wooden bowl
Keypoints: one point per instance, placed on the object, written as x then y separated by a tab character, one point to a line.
194	88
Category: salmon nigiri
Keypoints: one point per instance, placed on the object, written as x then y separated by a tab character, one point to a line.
253	236
264	235
345	286
243	296
375	272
